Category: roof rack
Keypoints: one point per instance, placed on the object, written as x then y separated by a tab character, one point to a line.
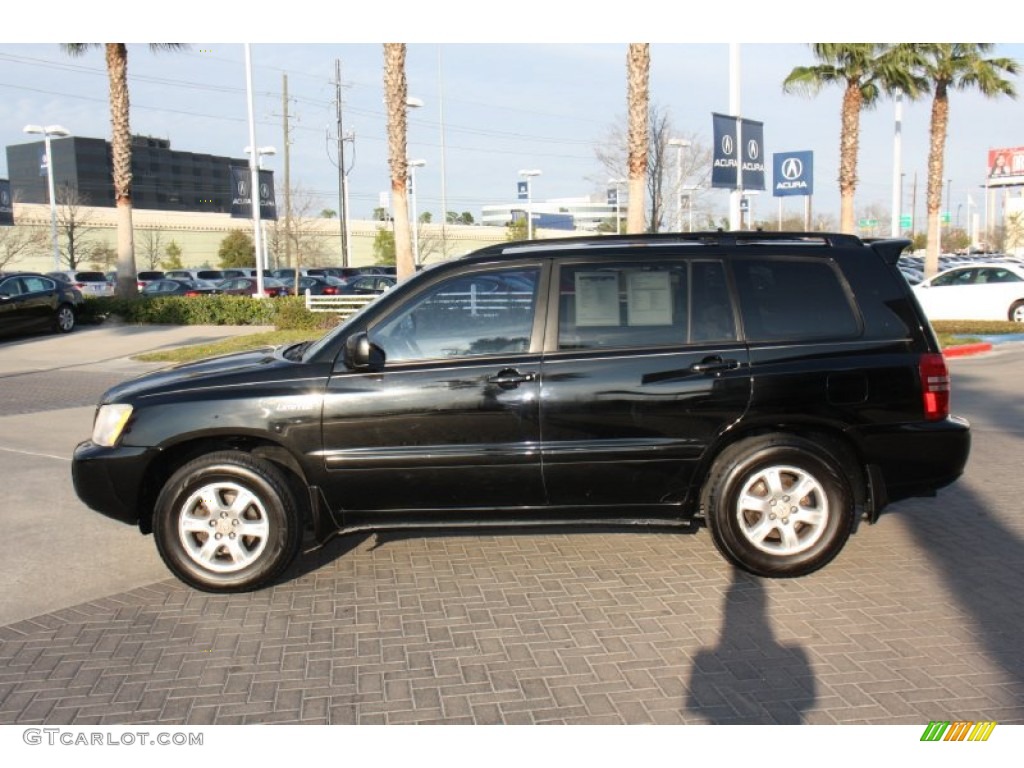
661	239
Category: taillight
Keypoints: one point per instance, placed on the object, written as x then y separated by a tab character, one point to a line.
934	386
191	293
330	290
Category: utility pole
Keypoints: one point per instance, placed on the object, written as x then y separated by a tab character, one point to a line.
287	178
342	213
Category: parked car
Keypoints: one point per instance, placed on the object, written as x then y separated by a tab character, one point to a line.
342	273
178	287
30	301
321	285
238	272
367	284
777	387
143	278
89	284
287	274
147	276
194	274
979	291
246	286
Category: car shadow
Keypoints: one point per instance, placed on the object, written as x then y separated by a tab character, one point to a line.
971	533
749	678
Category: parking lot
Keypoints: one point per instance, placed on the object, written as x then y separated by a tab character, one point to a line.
918	619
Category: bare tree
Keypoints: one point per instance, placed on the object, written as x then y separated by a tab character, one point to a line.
19	241
666	178
430	242
305	238
73	223
151	243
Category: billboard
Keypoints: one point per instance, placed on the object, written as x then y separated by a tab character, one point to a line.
793	173
1005	166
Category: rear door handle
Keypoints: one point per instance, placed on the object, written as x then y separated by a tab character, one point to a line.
510	378
714	364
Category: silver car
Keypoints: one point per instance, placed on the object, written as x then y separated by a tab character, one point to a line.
91	284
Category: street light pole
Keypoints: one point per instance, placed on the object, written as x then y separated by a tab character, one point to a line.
528	175
262	152
48	131
413	165
680	145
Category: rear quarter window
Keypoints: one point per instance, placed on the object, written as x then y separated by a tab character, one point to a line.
793	299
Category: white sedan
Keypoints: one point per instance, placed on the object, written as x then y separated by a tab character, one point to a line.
974	292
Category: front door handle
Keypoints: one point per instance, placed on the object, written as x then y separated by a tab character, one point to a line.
510	378
714	364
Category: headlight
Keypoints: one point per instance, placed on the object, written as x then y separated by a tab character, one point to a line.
110	422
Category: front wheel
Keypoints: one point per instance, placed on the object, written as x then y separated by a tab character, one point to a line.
1016	313
227	522
778	505
64	319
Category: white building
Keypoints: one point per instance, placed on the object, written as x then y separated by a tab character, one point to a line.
586	212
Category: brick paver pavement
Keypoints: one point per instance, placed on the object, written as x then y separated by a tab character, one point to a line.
918	619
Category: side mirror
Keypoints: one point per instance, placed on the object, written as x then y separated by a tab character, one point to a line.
362	355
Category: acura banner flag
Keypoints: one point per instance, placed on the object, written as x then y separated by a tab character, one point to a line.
792	173
241	200
6	204
728	153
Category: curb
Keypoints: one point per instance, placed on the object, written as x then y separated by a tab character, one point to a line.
963	350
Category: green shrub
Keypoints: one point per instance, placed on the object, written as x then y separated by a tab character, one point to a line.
977	327
183	310
292	315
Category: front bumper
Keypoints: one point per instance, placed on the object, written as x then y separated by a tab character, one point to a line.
109	480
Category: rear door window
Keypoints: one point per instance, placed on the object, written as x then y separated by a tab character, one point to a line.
606	305
793	299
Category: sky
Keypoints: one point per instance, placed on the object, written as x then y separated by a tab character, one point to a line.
496	101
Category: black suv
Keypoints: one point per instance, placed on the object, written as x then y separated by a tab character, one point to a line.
777	387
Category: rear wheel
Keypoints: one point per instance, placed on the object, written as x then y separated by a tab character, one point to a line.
778	505
227	522
1016	313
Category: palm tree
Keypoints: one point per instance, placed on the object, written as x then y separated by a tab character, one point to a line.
638	69
395	94
855	66
957	66
121	151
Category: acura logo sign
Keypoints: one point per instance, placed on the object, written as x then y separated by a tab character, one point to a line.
5	199
792	168
753	150
727	145
243	189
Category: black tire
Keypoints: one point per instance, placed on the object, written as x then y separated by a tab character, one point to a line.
757	520
203	504
64	319
1016	313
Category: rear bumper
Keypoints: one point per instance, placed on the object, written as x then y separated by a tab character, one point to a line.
917	459
109	480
